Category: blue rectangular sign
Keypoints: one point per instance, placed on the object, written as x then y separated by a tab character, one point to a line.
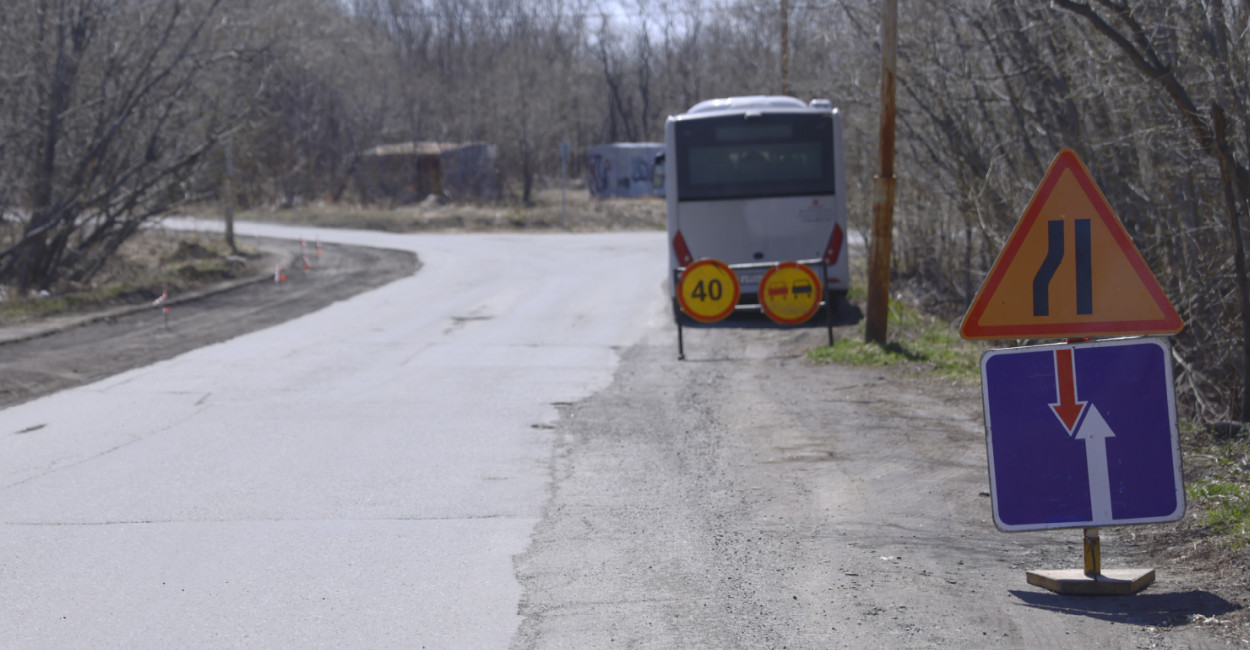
1082	435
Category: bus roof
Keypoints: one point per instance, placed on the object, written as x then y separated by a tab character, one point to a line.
770	103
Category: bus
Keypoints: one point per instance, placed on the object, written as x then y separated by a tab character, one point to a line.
753	181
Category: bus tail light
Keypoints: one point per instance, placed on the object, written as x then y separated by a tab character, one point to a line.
684	258
834	250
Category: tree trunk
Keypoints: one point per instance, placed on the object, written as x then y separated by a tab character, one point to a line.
1239	251
32	257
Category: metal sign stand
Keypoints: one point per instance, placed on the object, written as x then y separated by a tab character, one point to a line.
1114	295
825	303
1093	581
1013	426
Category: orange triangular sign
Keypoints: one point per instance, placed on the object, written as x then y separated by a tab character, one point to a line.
1069	270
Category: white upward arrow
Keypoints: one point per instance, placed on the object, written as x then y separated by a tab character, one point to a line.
1095	431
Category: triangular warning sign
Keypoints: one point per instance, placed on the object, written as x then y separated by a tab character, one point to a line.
1069	270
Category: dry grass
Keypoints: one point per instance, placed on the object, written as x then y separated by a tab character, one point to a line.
580	213
148	264
157	260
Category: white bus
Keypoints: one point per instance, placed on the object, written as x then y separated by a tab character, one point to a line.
752	181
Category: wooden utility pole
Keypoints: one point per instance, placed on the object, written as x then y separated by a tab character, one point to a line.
785	47
883	187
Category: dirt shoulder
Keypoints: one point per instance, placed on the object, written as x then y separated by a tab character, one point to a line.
43	356
761	500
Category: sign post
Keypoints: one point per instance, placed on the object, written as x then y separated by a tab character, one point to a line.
1080	434
564	183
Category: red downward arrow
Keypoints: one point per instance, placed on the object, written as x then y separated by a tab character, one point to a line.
1068	410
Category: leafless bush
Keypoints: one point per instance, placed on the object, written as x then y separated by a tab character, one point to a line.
111	112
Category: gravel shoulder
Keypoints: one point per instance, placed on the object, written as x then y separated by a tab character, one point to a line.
762	501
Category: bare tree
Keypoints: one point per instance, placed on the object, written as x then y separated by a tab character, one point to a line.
1144	34
992	91
108	88
111	112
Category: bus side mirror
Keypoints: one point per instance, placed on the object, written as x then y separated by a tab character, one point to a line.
657	171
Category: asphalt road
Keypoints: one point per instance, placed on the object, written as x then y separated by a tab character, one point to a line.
502	450
362	476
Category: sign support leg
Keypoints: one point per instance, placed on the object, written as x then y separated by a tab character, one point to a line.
1093	552
824	277
677	314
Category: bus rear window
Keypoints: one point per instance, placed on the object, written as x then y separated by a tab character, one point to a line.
771	155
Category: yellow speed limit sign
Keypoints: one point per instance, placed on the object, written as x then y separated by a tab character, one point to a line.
790	293
708	291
